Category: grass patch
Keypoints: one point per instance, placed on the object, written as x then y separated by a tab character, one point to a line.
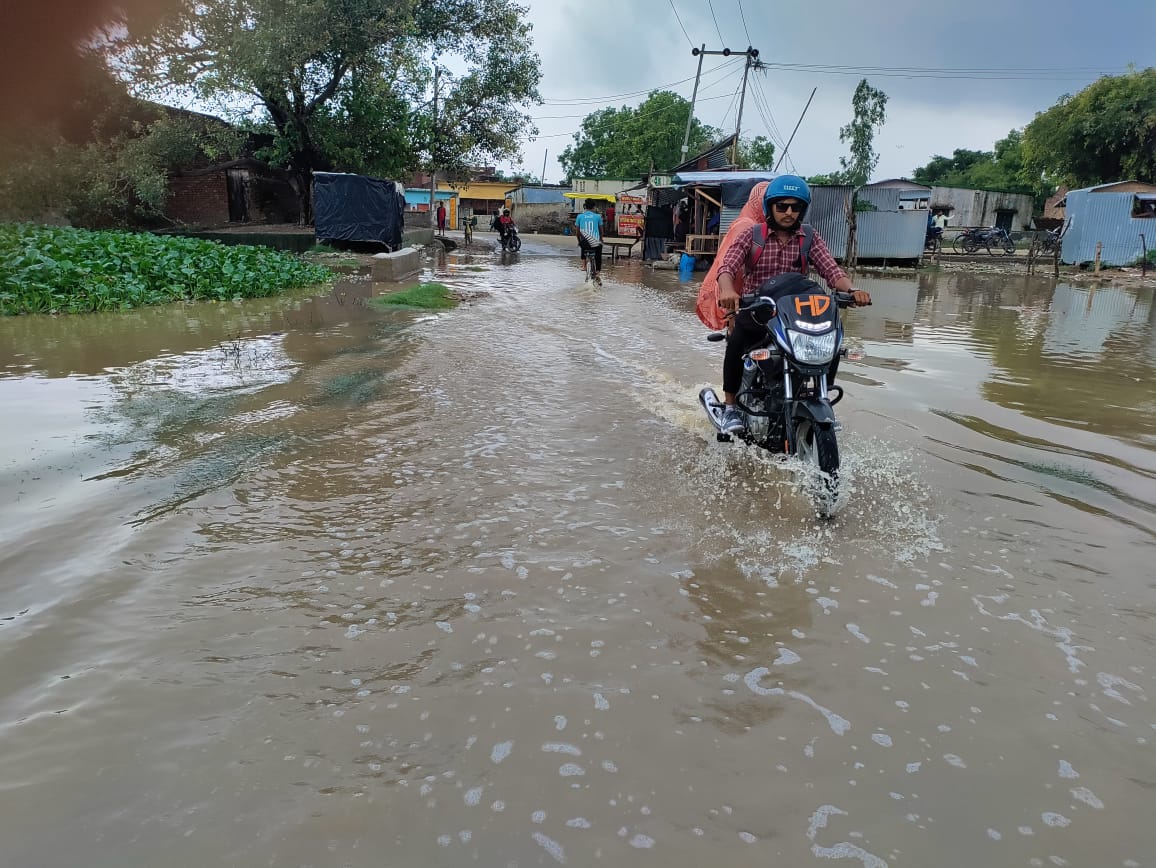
48	269
428	296
322	248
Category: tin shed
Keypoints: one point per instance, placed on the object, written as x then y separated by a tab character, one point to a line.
1123	222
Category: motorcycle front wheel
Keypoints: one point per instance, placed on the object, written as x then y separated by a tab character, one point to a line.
515	244
819	448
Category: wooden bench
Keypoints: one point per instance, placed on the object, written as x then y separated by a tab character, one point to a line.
619	245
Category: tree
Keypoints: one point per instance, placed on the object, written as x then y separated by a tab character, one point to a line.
1106	132
626	142
870	108
1002	169
323	73
757	154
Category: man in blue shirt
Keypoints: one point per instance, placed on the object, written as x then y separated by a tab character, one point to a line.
589	226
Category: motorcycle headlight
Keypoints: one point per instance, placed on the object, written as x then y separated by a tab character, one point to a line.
813	349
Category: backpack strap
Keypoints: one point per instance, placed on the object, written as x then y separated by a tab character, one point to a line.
805	247
758	244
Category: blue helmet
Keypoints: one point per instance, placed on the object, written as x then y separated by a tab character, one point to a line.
787	187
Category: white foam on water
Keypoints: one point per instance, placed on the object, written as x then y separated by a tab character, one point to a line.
912	768
642	842
559	722
538	817
501	751
445	840
578	823
954	760
562	747
1059	821
1110	682
827	604
1039	623
600	702
550	846
608	765
498	806
842	850
465	835
881	738
879	580
786	657
994	835
571	770
473	796
444	626
747	837
1083	794
839	724
854	630
1066	770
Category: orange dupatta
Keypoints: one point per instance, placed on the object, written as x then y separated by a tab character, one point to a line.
707	308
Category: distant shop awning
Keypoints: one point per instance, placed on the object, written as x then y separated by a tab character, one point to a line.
602	197
720	178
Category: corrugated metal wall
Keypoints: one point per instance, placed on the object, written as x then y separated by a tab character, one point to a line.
883	198
890	234
1105	217
726	217
828	214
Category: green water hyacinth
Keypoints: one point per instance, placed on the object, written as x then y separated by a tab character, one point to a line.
48	269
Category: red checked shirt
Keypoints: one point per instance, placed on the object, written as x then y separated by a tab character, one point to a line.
778	258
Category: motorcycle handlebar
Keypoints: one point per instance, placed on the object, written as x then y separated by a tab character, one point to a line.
750	302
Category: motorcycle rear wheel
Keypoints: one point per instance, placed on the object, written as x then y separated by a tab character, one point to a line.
819	447
1009	247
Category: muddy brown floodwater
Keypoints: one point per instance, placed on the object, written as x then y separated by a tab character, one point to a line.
296	582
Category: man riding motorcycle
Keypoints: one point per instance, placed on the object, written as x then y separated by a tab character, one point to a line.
781	244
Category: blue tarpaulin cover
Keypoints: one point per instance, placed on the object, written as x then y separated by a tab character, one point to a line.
357	208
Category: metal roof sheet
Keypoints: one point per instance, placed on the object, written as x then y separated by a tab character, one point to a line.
684	178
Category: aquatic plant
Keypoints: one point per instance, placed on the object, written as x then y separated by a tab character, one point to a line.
431	296
49	269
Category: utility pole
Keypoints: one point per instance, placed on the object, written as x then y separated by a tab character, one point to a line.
694	95
542	177
433	142
752	56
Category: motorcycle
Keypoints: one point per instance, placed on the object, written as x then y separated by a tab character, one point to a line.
970	240
786	397
510	239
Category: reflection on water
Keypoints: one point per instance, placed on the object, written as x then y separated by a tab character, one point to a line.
301	582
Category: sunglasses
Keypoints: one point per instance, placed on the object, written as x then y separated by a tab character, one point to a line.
785	207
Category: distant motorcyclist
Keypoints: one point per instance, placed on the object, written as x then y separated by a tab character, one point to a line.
781	244
504	222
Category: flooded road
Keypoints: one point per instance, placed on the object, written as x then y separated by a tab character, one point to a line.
297	582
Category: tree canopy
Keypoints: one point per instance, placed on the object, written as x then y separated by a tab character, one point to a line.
1106	132
869	105
627	142
1001	169
347	84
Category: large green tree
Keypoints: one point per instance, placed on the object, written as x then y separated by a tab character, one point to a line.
1106	132
627	142
1002	169
756	154
348	84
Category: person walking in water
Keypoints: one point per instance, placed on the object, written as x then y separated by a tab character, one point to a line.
589	225
441	219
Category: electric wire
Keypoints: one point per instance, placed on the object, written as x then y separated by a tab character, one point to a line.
679	20
562	102
614	120
703	88
744	17
942	74
716	27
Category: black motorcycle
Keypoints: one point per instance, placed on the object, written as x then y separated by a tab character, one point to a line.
510	239
787	395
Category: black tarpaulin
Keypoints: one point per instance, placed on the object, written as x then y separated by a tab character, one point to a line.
736	193
357	208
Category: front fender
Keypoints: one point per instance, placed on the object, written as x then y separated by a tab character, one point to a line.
814	410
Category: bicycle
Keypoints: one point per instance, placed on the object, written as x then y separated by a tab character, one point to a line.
592	275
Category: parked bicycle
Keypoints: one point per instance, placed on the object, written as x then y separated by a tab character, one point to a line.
971	240
1049	241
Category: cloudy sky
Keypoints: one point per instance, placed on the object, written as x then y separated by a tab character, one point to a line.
953	79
